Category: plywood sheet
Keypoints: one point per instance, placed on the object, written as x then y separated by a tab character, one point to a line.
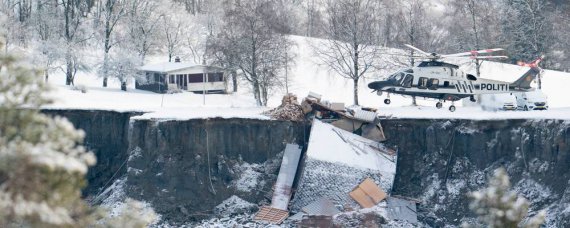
361	198
372	190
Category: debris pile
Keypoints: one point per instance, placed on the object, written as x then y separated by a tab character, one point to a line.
358	120
288	110
347	182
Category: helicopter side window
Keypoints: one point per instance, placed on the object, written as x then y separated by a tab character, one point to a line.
433	84
407	81
423	83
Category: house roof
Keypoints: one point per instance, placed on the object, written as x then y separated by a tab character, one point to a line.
172	66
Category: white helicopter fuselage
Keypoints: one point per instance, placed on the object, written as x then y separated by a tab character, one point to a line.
445	82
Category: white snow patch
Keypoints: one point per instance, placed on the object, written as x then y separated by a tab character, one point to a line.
233	206
455	187
249	175
331	144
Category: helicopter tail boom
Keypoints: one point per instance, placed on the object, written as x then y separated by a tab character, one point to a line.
523	83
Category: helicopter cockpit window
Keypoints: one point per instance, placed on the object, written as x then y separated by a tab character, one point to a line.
397	76
423	83
407	81
433	84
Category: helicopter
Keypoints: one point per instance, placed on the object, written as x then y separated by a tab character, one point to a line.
434	78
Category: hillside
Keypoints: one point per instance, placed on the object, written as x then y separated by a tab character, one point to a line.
306	75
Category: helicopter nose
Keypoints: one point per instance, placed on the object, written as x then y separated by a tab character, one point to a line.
378	85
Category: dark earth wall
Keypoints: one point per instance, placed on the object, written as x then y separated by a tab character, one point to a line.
107	137
440	161
186	168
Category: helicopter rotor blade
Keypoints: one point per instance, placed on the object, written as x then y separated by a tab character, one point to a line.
417	49
489	57
408	56
481	57
474	53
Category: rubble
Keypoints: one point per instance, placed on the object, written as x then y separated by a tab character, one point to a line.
277	212
288	110
359	120
234	206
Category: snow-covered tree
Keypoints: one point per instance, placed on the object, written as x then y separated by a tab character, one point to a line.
111	13
249	42
42	164
353	35
526	29
144	22
175	27
72	32
498	206
47	51
124	66
471	24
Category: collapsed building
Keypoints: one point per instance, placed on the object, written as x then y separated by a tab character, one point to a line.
345	176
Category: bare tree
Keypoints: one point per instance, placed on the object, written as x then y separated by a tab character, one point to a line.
417	28
74	36
472	25
526	29
352	46
112	11
144	26
249	42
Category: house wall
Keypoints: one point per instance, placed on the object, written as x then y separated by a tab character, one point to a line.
194	82
155	83
181	79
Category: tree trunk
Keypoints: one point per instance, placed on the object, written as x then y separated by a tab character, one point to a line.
46	75
264	95
414	103
68	71
356	91
105	66
256	93
234	81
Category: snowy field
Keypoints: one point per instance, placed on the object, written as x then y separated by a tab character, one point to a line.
307	75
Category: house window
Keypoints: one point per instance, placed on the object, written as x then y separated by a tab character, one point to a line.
215	77
156	77
195	78
171	79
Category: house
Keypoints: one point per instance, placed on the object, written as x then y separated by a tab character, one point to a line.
177	75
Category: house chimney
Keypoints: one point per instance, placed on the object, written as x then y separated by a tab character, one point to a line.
177	59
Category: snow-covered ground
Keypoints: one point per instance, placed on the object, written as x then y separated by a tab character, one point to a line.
307	75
